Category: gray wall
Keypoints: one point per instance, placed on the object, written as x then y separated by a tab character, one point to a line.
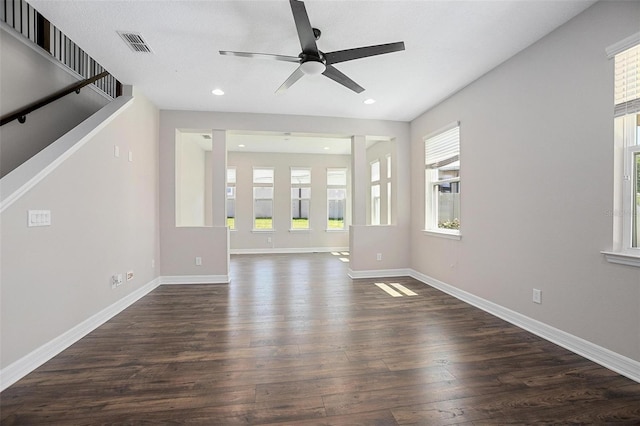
316	237
28	74
104	221
537	185
181	245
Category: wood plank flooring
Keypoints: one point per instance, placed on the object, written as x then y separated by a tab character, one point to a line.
292	340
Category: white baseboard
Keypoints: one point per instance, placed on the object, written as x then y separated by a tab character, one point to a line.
273	250
605	357
379	273
194	279
25	365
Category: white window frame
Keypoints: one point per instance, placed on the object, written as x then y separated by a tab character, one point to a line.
300	186
626	146
344	187
233	198
375	199
629	202
626	143
263	185
431	188
389	204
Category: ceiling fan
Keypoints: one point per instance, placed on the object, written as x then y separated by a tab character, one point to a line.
311	60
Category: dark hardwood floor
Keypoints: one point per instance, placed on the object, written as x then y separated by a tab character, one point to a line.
292	340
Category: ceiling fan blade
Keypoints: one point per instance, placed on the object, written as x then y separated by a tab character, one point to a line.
261	56
305	31
337	76
297	75
362	52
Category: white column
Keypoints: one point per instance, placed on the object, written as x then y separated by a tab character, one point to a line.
359	180
219	176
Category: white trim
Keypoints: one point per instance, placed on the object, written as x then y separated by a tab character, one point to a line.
25	365
605	357
194	279
622	258
442	234
19	181
285	250
379	273
623	45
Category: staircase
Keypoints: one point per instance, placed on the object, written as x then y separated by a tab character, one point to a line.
49	84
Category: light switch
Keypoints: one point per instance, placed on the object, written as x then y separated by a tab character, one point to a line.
39	218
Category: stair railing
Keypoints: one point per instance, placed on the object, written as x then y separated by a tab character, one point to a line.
23	18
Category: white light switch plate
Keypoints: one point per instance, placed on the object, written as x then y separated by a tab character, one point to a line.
39	218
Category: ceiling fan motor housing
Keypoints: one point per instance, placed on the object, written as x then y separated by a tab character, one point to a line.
312	64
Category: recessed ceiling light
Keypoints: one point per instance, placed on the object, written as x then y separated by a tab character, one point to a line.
327	148
217	92
369	101
241	145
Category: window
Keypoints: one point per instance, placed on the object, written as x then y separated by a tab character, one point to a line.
635	179
388	189
300	198
627	125
231	197
336	198
375	193
262	199
442	180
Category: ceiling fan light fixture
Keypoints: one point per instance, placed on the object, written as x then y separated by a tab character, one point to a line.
313	67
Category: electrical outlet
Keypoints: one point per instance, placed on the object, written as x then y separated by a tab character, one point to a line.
379	256
537	296
269	240
129	275
198	261
153	263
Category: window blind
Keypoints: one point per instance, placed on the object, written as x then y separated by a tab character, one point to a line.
627	82
442	149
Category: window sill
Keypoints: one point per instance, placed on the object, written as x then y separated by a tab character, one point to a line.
263	231
450	235
301	230
622	258
336	230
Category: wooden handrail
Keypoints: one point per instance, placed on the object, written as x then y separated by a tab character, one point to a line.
21	115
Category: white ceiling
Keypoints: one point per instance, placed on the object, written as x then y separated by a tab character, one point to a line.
448	45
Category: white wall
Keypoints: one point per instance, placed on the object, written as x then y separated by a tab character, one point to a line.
190	183
537	185
317	237
179	245
104	221
28	74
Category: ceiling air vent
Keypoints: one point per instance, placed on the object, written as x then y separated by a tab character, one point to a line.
135	42
206	136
